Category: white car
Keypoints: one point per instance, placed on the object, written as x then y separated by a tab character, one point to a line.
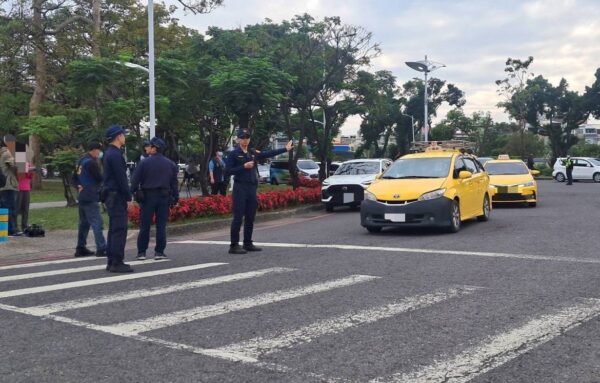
584	168
347	185
264	171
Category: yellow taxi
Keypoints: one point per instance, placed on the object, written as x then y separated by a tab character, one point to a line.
440	186
512	181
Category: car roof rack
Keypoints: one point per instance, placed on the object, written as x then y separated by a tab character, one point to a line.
450	145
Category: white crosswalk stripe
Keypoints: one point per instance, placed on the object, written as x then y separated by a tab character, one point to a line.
503	347
196	313
159	290
254	348
45	263
99	281
64	271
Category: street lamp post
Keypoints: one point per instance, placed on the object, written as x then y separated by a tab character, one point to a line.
412	125
426	66
151	66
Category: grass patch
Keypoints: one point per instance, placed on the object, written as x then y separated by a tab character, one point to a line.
59	218
52	191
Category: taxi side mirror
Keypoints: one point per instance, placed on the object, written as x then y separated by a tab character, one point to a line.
464	174
535	172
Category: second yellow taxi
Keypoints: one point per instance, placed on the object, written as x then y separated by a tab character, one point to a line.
512	181
440	186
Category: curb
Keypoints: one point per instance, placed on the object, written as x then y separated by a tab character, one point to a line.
221	223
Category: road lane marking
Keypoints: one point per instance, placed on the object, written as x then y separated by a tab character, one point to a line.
405	250
502	348
72	270
159	290
259	346
54	262
99	281
184	316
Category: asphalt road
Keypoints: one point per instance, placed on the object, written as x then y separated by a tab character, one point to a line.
515	299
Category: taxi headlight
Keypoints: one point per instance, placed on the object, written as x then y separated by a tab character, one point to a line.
367	182
528	184
370	196
432	194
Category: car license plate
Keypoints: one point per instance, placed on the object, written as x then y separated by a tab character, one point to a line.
396	217
348	197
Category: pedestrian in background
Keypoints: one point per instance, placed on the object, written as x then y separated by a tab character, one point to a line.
88	180
216	171
530	162
242	164
8	191
116	194
154	183
23	198
568	163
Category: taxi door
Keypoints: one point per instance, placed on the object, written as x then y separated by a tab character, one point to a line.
480	185
465	188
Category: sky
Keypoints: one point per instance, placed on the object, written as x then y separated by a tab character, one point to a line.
472	38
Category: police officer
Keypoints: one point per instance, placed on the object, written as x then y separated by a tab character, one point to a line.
116	194
88	180
242	164
146	152
568	163
154	183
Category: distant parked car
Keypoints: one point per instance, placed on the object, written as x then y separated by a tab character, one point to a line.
279	172
584	168
264	173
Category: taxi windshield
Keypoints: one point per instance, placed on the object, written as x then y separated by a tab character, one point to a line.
357	168
507	168
418	168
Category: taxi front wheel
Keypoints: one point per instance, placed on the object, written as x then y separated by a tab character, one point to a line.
454	217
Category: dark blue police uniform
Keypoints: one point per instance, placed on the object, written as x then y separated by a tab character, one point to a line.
117	194
156	177
89	177
244	190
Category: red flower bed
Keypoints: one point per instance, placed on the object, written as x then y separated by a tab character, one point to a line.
307	182
220	205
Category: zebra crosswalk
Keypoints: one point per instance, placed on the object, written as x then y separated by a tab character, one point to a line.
263	349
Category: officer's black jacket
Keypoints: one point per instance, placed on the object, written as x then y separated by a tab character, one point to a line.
115	172
156	172
234	165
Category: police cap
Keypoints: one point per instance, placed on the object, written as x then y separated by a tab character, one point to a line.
158	143
146	143
113	131
243	133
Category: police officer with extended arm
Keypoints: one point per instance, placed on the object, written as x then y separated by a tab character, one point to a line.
154	184
568	163
242	164
116	195
88	180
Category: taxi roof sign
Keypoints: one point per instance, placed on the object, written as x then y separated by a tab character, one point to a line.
504	157
450	145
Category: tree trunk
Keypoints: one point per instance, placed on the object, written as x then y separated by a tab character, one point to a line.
39	87
68	191
96	23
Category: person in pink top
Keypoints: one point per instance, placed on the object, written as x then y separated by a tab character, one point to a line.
23	197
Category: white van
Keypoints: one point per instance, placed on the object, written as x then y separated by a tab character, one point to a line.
584	168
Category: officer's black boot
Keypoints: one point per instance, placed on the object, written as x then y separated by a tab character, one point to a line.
101	253
251	247
236	249
83	252
120	268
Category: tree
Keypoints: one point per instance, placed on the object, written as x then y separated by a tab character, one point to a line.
516	96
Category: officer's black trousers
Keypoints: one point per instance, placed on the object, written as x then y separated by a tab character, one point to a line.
244	206
155	202
569	176
116	206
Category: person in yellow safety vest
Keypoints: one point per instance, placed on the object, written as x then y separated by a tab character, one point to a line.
568	163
